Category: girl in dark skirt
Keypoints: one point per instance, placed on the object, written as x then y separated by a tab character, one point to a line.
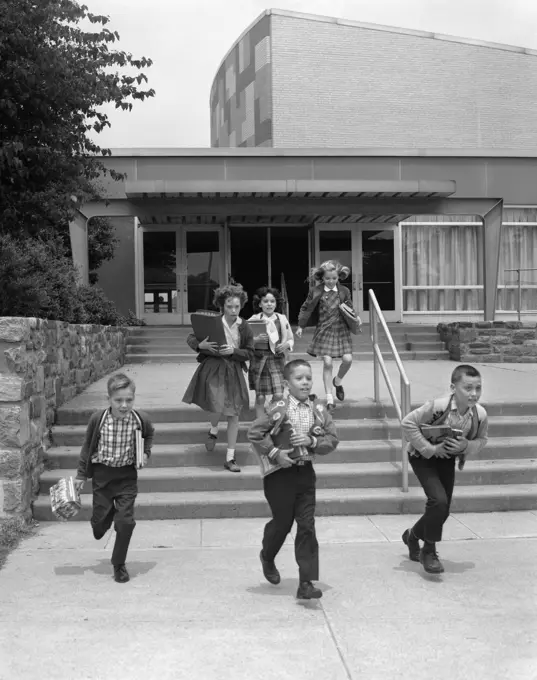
332	337
218	385
265	374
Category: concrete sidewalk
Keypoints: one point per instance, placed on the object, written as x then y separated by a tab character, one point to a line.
198	607
165	384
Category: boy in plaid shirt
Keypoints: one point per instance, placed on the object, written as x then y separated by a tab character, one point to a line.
286	440
108	457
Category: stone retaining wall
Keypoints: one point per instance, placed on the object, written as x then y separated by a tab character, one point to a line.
490	341
42	365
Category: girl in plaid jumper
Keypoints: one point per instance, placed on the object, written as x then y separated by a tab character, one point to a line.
265	374
332	337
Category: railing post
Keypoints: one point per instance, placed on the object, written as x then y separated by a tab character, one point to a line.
405	408
375	339
519	302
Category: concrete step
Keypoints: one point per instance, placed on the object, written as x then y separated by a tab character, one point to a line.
355	410
184	358
372	451
207	504
348	430
337	476
396	330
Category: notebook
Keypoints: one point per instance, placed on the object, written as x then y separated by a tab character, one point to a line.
139	449
208	324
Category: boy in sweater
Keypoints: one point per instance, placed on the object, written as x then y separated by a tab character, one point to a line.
434	462
108	457
286	439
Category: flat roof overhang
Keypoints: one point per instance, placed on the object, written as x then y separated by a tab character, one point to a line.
290	201
265	202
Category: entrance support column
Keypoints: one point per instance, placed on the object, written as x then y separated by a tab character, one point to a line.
492	235
78	232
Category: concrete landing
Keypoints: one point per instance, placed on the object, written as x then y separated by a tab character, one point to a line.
198	607
164	384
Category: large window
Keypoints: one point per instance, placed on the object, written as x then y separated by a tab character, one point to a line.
443	267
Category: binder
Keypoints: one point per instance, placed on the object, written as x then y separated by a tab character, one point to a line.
209	325
139	449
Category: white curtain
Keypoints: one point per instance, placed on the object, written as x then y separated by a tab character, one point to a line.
519	250
442	256
451	255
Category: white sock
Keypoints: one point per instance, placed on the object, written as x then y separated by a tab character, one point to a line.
230	455
214	430
329	398
337	381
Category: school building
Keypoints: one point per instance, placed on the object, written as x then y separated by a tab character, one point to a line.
409	156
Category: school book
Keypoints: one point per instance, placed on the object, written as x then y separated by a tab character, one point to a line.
139	449
437	433
350	317
258	326
208	324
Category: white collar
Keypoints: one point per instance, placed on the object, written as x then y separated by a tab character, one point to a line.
237	322
329	290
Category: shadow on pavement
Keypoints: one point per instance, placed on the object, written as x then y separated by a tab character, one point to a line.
287	587
104	567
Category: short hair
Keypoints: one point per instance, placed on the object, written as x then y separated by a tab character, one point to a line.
317	273
119	381
291	366
223	293
462	371
260	293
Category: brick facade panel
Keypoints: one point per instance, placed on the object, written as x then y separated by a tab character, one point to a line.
347	86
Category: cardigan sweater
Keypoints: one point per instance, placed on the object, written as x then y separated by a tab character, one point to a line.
93	432
437	412
309	313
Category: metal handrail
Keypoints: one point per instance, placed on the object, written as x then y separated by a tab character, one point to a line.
519	285
378	361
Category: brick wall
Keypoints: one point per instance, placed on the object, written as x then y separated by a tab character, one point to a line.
490	342
337	85
42	365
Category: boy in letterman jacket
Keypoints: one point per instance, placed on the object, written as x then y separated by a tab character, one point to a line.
108	457
286	439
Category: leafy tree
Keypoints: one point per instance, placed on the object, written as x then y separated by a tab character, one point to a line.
55	75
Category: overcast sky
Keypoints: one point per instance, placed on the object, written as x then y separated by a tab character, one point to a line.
187	39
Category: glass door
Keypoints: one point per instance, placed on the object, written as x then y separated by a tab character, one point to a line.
373	256
378	260
338	242
158	262
202	268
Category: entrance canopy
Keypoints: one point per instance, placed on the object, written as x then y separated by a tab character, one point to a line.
282	202
293	187
300	202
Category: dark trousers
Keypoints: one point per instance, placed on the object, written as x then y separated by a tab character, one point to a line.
114	494
437	477
290	492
